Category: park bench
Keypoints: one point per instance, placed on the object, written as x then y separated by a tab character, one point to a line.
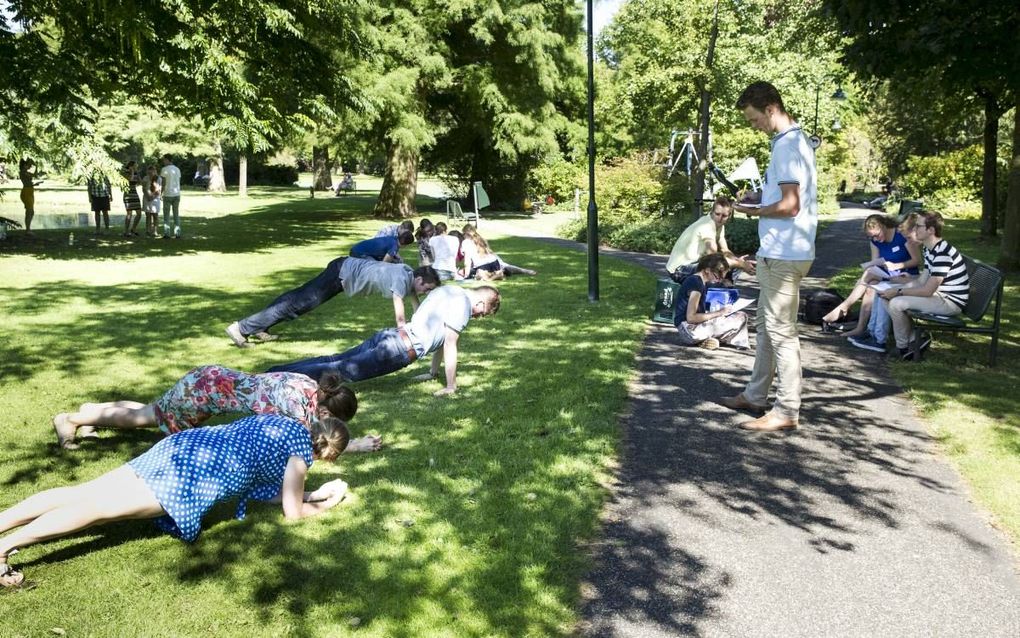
986	285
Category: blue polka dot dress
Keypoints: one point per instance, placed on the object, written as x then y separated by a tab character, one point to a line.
191	471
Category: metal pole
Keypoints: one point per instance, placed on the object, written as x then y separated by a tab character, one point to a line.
818	90
593	211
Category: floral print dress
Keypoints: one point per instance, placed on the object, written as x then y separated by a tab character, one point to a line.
209	390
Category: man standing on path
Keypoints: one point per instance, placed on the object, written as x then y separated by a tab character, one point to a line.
943	289
435	327
343	274
171	178
787	207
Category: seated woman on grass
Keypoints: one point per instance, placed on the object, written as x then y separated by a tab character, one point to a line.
698	326
210	390
264	457
483	264
893	257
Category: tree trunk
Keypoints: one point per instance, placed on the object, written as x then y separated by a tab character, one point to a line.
705	115
242	176
217	184
400	184
989	204
322	179
1009	257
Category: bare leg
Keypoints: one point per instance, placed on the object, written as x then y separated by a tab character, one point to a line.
29	214
840	311
116	414
98	226
116	495
864	316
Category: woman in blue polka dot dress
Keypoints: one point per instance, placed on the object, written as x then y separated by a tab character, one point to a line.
264	457
209	390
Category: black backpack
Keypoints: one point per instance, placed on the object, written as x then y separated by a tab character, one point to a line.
817	303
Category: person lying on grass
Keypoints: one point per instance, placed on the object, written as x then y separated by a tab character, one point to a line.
434	328
263	457
480	262
699	326
209	390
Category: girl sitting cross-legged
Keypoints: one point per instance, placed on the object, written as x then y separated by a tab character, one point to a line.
699	326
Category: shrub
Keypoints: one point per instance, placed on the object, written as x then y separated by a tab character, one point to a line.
657	235
944	179
558	178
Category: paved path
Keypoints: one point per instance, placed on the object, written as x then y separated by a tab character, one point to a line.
851	526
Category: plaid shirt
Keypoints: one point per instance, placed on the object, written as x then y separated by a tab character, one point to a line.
99	187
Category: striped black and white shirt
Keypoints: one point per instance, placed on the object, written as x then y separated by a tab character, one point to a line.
943	260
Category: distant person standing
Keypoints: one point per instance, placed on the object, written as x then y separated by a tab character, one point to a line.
171	183
99	198
788	212
151	201
132	202
27	175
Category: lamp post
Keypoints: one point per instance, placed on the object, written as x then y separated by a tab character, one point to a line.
593	211
839	96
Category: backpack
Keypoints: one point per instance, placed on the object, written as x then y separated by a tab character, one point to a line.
817	303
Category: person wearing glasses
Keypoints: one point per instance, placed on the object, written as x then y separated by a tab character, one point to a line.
942	289
705	236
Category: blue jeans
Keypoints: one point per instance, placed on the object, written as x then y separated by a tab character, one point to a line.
294	303
880	322
383	353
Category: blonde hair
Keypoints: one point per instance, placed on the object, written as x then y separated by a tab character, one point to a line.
483	246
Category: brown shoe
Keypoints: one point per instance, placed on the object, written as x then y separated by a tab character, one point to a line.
771	422
740	402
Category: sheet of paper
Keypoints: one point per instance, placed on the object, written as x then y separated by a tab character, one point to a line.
882	286
876	272
740	304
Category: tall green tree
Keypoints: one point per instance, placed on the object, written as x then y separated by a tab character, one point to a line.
474	89
969	48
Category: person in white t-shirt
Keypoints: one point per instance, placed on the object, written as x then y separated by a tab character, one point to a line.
444	249
434	329
787	208
170	176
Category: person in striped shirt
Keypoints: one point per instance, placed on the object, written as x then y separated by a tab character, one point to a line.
941	290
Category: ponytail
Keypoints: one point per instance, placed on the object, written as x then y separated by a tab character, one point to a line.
337	398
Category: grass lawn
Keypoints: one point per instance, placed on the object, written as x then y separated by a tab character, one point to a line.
468	522
971	408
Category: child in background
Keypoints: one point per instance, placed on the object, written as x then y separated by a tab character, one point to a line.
425	232
151	192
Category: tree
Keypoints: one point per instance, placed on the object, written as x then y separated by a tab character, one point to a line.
968	48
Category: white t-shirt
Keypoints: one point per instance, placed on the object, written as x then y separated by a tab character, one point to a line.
472	258
690	245
444	249
792	162
365	276
171	176
445	307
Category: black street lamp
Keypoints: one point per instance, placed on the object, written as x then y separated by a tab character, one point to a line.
593	211
839	96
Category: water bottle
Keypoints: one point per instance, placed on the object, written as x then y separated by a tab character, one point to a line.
70	239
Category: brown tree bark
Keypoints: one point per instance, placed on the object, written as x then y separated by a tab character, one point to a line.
989	181
400	184
705	116
217	183
322	178
1009	257
242	176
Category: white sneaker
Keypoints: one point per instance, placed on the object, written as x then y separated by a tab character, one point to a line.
234	332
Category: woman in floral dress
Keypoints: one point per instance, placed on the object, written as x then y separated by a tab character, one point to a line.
209	390
263	457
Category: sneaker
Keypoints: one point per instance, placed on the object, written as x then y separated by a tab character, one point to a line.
709	344
867	342
234	332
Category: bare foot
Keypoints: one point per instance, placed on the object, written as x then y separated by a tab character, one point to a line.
65	431
368	443
10	577
835	315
